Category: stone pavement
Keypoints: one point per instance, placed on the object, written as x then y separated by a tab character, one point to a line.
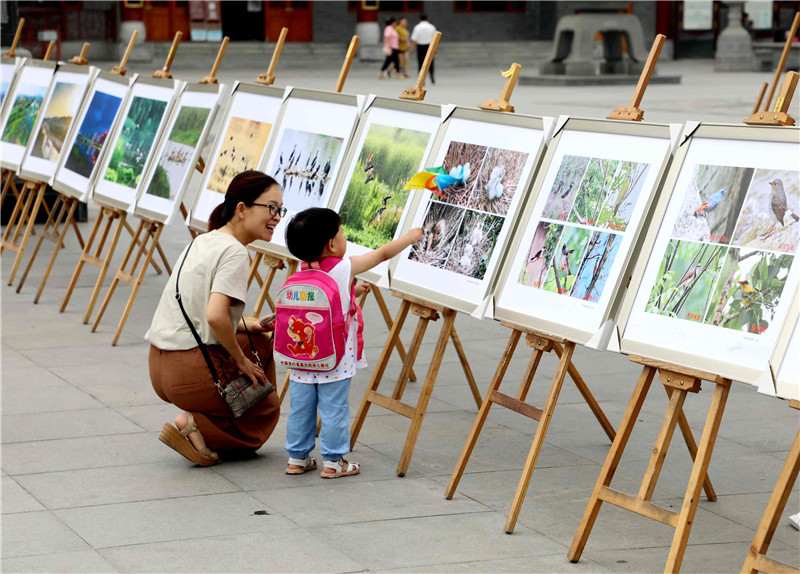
87	487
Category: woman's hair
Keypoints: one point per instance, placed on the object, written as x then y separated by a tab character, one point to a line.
245	188
390	20
309	232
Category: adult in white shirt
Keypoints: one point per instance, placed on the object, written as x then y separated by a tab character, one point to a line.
421	38
213	286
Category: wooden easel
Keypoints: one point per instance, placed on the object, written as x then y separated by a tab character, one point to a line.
28	202
677	381
779	115
6	175
146	240
426	312
543	343
501	104
108	216
61	217
757	560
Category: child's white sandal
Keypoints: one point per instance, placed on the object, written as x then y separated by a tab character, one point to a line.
340	468
304	464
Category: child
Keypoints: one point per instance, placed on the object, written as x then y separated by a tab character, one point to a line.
312	235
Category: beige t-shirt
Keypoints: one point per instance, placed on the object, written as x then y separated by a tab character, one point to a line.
217	263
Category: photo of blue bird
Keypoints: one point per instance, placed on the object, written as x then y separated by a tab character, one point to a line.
711	203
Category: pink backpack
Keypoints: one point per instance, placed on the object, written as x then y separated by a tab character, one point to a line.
310	328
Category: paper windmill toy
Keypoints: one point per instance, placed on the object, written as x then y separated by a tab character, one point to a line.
437	179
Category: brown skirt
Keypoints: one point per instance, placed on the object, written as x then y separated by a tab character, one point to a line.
183	379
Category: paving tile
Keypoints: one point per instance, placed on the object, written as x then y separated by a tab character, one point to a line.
25	396
16	499
281	551
699	558
75	488
434	540
65	424
172	519
555	563
11	359
85	452
32	533
150	417
748	509
133	356
325	503
88	561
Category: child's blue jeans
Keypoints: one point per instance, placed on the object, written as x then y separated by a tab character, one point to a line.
334	410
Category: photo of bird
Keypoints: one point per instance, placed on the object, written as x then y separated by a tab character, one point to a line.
569	190
710	204
746	287
779	205
369	164
689	275
494	188
537	256
370	175
385	199
467	258
565	253
379	213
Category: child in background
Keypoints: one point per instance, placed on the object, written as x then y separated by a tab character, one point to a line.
312	235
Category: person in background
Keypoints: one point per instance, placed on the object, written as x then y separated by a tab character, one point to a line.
421	38
391	43
402	32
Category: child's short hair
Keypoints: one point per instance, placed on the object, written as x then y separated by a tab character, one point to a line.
309	231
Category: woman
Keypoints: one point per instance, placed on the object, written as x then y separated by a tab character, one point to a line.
213	288
402	34
391	45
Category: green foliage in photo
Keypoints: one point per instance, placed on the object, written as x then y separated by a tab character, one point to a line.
371	210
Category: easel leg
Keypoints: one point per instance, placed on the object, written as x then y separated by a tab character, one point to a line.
73	204
775	508
699	470
53	220
79	267
462	357
104	268
264	295
387	318
411	357
142	245
425	393
380	368
22	202
156	234
28	229
588	396
611	463
9	184
659	453
156	268
538	438
252	273
483	412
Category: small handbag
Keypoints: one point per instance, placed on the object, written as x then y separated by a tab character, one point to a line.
240	394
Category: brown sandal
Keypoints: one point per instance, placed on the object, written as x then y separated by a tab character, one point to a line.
178	440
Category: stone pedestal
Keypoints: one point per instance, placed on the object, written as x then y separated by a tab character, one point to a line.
371	44
734	45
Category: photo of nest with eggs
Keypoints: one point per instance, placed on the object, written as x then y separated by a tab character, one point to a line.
439	230
474	244
498	179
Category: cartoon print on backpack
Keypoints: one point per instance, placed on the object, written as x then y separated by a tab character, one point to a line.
303	335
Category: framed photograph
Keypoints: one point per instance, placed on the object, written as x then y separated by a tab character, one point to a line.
9	68
24	104
84	148
56	120
393	142
132	143
167	177
240	145
718	272
785	360
467	226
577	234
311	138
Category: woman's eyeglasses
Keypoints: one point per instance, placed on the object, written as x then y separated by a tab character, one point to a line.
273	209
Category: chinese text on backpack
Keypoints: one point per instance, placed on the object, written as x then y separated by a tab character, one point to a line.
310	329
